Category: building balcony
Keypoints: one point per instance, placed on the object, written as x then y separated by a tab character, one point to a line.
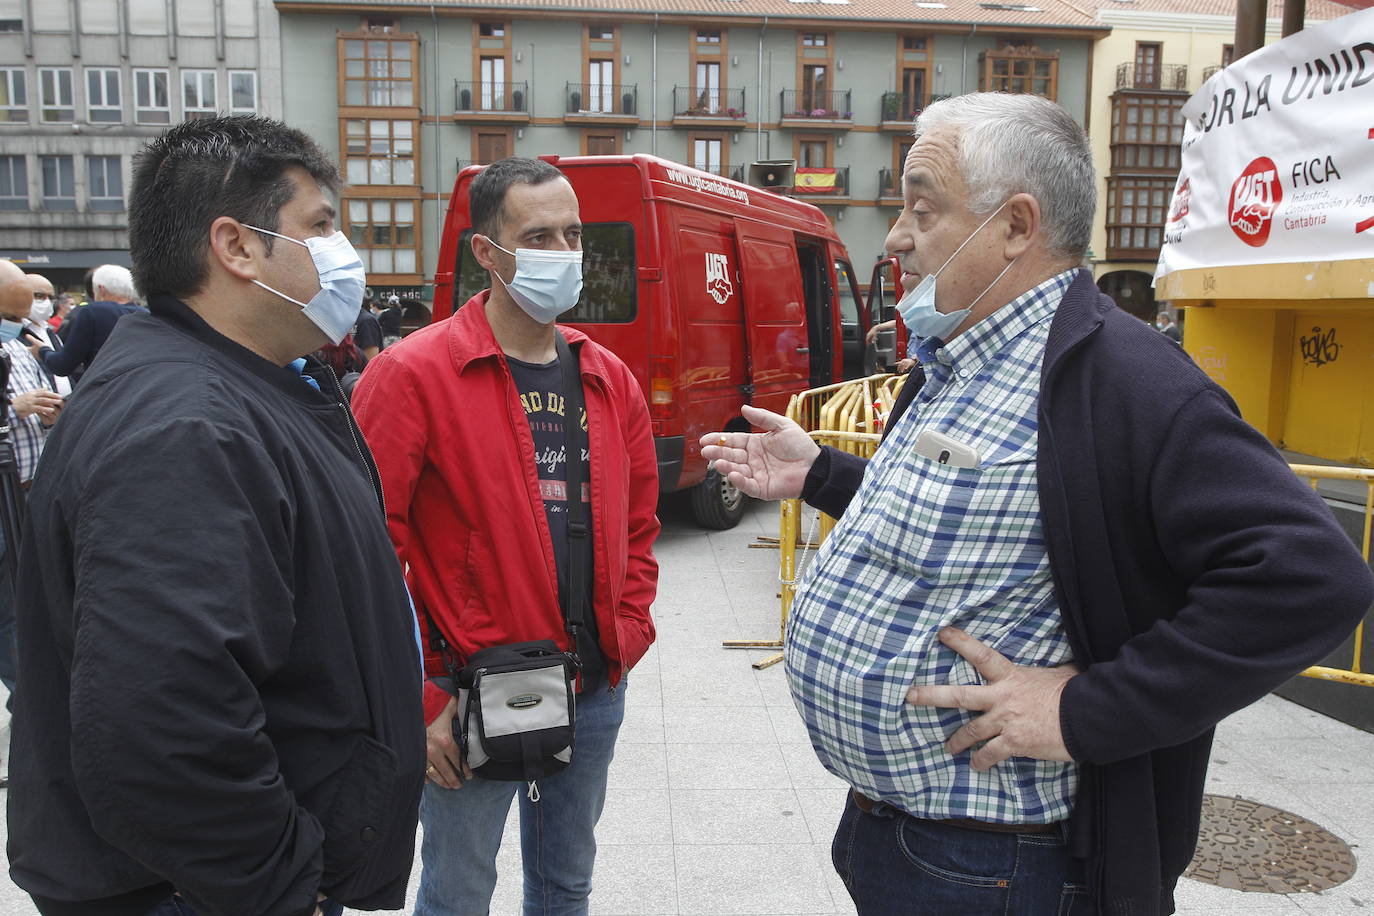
816	110
1209	72
709	108
1165	78
491	103
602	103
889	188
821	185
898	110
737	173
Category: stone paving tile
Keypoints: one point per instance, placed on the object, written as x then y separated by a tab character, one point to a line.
762	879
724	817
720	765
704	724
636	817
632	881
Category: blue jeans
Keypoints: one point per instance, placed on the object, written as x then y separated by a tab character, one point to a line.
175	906
897	865
463	827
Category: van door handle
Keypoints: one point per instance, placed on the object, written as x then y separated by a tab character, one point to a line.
803	349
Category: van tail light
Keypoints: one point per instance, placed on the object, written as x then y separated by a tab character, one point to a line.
660	386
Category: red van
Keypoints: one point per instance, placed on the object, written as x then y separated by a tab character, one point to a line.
713	292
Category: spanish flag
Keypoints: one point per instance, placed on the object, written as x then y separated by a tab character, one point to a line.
814	181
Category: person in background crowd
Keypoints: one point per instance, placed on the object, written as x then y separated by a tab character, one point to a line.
1068	560
91	325
1165	323
38	331
62	307
367	333
466	419
218	709
390	320
33	408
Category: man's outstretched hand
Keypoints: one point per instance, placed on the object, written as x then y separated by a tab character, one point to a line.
769	465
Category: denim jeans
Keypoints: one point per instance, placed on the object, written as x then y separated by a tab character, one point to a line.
175	906
463	827
896	865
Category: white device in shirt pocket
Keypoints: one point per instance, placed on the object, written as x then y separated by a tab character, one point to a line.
946	450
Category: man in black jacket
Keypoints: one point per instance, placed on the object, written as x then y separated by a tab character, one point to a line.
220	696
1069	559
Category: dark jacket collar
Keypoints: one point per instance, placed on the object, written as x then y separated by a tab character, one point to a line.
185	319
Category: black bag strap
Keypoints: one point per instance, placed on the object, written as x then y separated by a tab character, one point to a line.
574	603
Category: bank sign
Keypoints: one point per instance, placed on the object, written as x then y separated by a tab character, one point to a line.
1278	155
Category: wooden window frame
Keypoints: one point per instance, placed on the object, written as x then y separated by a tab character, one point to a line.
478	131
1164	133
805	59
1017	51
827	139
1156	72
1228	55
600	53
379	276
365	109
613	132
712	53
913	62
479	25
1116	186
380	190
485	46
719	135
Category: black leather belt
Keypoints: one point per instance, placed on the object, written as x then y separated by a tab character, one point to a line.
866	804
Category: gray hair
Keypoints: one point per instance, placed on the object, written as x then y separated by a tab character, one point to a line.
1011	144
118	280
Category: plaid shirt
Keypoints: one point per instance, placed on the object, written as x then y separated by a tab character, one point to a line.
925	545
27	434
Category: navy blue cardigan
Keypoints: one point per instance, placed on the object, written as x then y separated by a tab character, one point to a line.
1195	573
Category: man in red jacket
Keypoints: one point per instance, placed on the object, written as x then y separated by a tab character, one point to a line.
465	419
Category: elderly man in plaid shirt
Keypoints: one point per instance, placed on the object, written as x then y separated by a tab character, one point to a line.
33	408
1067	561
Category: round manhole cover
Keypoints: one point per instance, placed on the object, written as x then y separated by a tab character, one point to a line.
1247	846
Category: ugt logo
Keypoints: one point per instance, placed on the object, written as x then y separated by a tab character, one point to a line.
718	277
1255	196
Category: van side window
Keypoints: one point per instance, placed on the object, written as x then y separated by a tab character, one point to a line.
849	303
608	275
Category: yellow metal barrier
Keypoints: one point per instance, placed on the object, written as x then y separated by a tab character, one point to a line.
1315	473
848	417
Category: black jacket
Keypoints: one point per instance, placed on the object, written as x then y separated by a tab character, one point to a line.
1194	571
220	689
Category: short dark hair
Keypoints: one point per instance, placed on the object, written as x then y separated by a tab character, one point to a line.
86	281
487	193
199	171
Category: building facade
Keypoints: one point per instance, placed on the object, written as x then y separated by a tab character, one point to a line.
407	94
1158	54
84	84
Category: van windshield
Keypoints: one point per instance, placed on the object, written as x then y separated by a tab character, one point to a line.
608	275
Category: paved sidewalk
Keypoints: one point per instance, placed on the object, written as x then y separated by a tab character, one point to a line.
718	806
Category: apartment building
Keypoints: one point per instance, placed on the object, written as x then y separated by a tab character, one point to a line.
84	84
408	93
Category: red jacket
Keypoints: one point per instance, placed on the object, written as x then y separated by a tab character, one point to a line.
443	418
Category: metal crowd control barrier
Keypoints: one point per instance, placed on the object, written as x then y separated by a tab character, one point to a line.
1315	473
847	416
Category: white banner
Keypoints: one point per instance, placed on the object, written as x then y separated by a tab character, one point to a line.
1278	155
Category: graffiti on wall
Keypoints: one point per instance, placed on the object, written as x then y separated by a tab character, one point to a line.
1321	347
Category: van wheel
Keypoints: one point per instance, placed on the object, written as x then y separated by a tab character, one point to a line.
717	503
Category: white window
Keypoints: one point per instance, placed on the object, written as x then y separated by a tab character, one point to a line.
103	96
58	104
706	154
152	104
708	86
106	185
198	94
601	88
14	99
59	184
243	92
379	152
383	231
493	84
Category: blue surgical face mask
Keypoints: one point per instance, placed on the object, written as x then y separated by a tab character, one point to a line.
917	307
546	284
343	280
9	329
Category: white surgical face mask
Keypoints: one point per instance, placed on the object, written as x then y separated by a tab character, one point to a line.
41	312
343	280
917	307
546	283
